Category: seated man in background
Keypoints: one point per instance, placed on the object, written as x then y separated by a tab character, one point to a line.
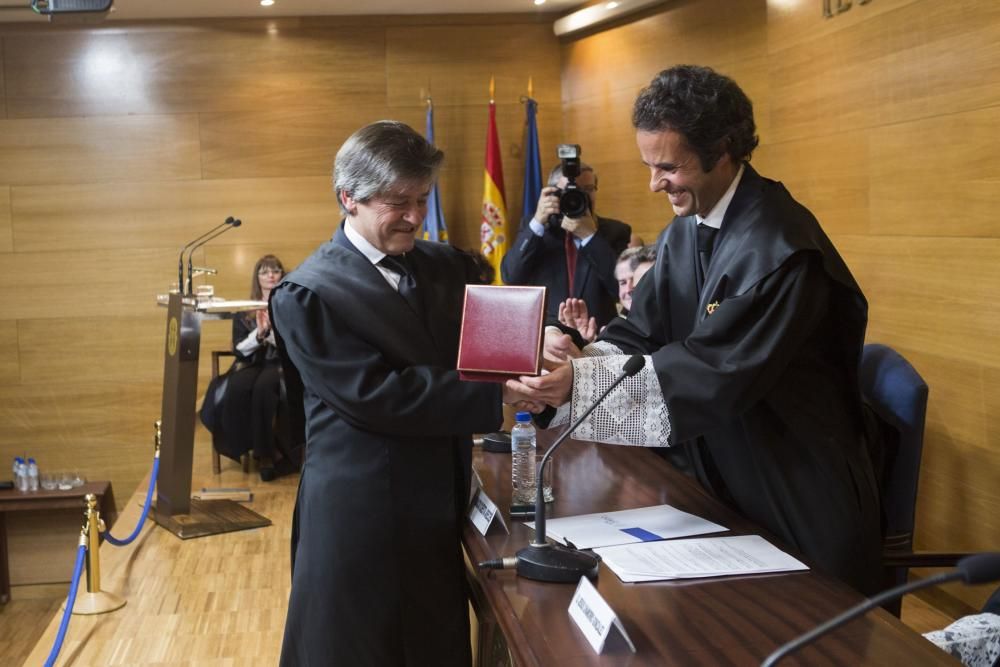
632	265
572	257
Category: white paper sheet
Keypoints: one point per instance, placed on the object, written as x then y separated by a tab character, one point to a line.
645	524
701	557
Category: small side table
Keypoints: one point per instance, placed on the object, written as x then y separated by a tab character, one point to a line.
12	500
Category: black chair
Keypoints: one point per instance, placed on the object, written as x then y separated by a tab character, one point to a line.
898	396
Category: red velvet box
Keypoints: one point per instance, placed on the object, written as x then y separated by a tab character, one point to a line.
502	332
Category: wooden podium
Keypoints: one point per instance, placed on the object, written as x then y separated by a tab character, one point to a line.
175	510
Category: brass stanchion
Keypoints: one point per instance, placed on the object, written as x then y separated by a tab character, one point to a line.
94	601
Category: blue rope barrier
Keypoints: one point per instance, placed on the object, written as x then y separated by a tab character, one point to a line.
145	510
70	601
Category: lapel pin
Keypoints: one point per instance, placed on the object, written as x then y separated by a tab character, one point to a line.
710	308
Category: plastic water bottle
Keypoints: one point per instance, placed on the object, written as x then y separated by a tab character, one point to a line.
32	475
16	469
522	469
21	478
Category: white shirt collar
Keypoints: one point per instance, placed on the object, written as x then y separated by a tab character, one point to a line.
718	212
373	254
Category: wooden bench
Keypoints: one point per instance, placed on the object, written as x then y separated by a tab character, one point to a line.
12	500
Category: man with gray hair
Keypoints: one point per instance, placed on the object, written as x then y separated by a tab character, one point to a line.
371	324
573	257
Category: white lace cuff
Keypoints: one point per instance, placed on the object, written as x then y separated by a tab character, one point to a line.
601	348
975	640
633	414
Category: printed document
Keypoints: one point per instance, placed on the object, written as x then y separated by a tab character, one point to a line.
646	524
700	557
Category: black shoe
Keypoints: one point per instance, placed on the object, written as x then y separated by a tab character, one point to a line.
268	474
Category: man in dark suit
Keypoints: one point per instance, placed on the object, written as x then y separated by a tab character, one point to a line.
371	323
753	328
573	259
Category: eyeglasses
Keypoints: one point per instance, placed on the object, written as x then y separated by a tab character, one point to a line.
265	271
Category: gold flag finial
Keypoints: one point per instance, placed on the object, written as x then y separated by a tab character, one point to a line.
493	88
531	88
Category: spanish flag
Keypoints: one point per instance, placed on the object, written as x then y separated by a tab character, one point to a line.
493	231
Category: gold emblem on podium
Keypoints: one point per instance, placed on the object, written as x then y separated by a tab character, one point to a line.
172	336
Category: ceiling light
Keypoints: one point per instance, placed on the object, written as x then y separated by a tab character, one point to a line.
266	3
595	15
539	2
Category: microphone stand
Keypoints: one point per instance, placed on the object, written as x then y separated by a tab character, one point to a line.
232	222
854	612
544	561
181	287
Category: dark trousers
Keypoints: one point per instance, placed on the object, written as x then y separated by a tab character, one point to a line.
250	407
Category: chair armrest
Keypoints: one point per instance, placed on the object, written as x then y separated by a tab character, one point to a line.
921	558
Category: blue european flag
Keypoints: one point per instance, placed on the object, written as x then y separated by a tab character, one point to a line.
434	227
532	162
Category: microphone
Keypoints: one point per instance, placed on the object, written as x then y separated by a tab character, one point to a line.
226	226
541	560
181	287
977	569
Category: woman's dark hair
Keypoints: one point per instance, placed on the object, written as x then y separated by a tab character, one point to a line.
265	262
708	109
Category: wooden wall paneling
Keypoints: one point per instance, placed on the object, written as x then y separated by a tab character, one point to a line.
6	228
456	63
703	32
937	176
98	149
169	214
280	142
114	349
10	363
204	67
931	295
107	283
830	175
923	59
793	23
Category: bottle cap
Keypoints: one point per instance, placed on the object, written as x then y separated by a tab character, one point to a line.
30	460
522	417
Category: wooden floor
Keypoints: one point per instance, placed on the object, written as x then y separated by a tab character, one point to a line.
220	601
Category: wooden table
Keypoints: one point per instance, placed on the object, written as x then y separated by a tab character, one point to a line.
36	501
723	621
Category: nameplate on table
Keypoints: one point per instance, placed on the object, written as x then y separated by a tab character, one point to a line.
483	513
595	617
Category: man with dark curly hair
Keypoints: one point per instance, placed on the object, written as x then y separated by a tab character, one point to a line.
753	328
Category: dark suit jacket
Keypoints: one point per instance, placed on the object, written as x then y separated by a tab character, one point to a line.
377	569
541	260
758	368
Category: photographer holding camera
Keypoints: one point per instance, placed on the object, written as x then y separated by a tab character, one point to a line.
566	246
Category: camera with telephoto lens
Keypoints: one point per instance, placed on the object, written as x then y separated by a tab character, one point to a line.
573	202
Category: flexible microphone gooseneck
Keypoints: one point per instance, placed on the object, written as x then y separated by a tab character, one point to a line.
227	225
977	569
541	560
181	287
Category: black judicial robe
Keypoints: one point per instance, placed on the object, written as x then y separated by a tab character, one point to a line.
378	575
758	368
